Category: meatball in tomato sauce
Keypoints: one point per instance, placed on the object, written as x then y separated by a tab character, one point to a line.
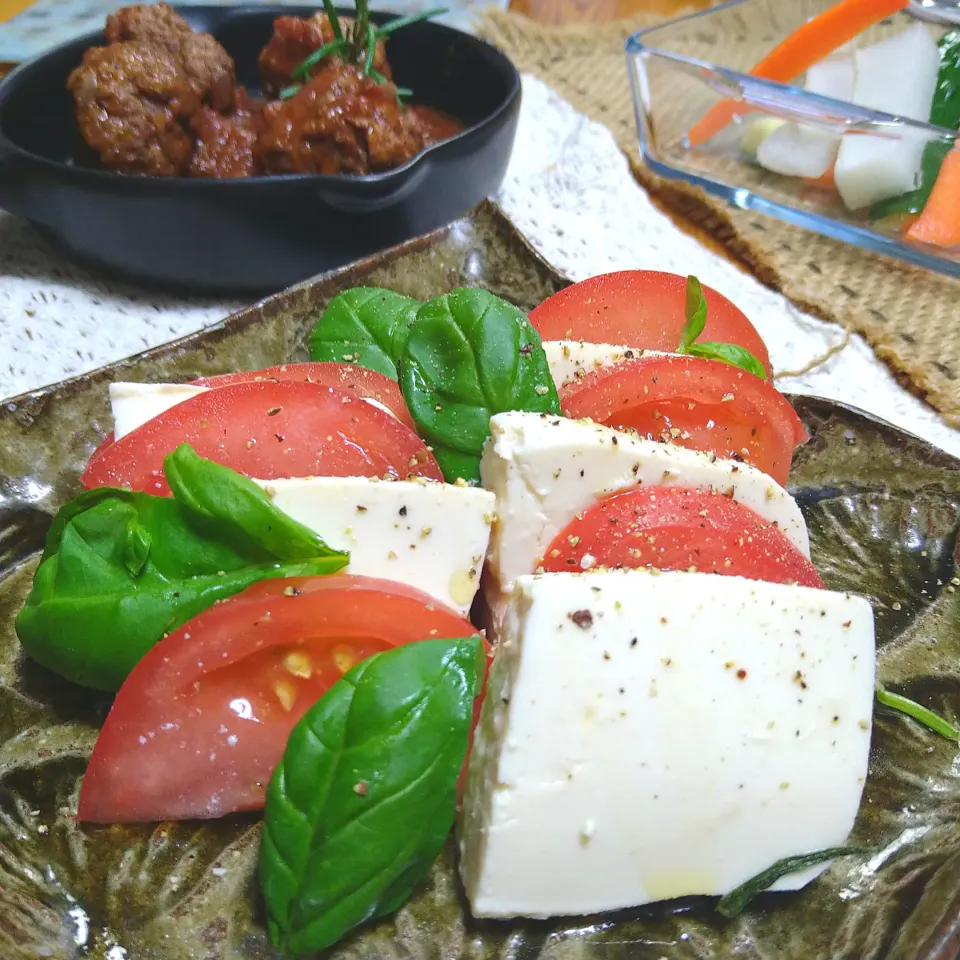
162	100
295	38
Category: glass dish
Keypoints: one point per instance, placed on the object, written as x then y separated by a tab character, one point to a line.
680	69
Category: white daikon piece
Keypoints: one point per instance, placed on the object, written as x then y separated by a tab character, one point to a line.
898	76
803	150
757	132
798	151
835	77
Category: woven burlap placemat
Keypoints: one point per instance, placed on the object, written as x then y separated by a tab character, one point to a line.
910	316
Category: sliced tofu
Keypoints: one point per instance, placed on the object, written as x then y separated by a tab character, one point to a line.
545	469
133	404
646	737
570	359
897	76
432	536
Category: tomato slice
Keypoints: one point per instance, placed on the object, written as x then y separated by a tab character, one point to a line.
267	429
357	381
643	309
679	528
695	403
199	725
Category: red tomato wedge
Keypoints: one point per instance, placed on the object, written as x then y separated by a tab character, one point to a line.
679	528
199	725
643	309
695	403
357	381
267	429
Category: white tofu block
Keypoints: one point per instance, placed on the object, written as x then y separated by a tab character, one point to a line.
432	536
646	737
570	359
545	469
133	404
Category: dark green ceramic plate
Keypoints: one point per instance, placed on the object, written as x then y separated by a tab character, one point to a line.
883	509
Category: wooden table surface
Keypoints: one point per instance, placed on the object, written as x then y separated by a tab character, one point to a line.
10	8
595	11
546	11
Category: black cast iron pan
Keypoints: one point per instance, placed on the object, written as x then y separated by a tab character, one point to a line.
260	234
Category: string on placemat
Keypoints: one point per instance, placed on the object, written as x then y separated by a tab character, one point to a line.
819	360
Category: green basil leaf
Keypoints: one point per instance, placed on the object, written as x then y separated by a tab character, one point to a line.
236	510
367	326
363	800
695	313
120	568
730	353
470	355
734	902
137	547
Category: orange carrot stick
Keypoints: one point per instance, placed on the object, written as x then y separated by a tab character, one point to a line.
939	223
816	39
824	180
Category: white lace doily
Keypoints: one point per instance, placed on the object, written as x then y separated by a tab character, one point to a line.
569	189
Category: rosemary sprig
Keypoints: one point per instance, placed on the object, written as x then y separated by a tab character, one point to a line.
400	22
371	49
359	48
361	24
734	902
923	715
400	92
335	46
331	11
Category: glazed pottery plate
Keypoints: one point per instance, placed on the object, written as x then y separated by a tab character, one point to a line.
883	509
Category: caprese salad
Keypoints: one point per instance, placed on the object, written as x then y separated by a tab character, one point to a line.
904	180
279	573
